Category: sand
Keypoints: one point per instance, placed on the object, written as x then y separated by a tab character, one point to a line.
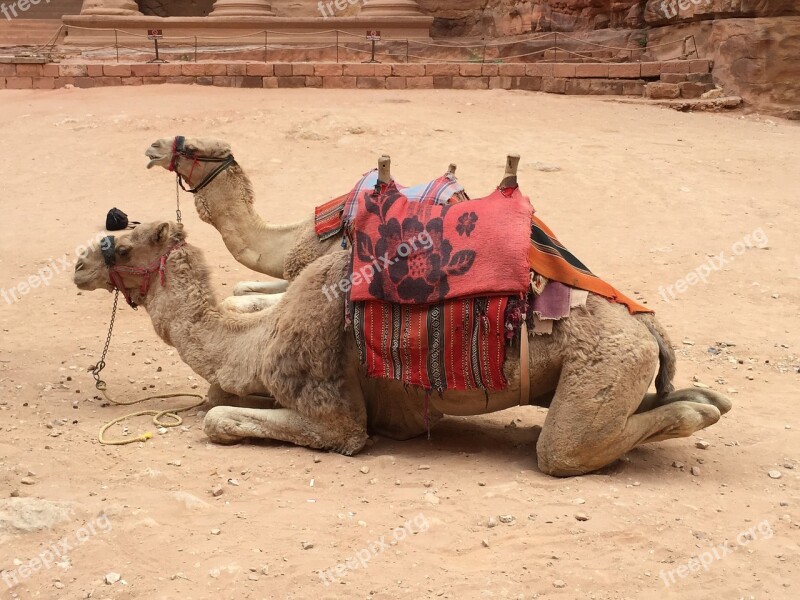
645	196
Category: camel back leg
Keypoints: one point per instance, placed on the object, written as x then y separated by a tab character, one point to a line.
592	421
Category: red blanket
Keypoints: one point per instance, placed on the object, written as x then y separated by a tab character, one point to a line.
459	344
421	253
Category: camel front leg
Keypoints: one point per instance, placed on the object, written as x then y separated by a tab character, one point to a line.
592	421
247	288
216	396
225	425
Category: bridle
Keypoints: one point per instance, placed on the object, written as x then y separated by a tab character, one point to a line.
178	150
115	272
108	247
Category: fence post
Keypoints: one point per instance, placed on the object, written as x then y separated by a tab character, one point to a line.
555	46
116	44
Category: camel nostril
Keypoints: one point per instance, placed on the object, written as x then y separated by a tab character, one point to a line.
79	264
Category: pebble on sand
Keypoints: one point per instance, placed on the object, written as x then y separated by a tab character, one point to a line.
364	470
112	578
703	445
775	474
558	583
696	471
582	516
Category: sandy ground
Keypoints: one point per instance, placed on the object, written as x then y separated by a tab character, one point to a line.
643	195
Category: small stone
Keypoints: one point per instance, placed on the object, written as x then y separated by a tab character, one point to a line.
214	573
788	465
162	430
775	474
217	491
233	482
215	532
702	445
432	498
252	577
485	543
58	585
579	501
424	467
482	483
700	385
397	482
677	464
317	459
112	578
174	463
364	470
696	471
27	481
507	519
14	493
559	584
492	522
582	517
307	545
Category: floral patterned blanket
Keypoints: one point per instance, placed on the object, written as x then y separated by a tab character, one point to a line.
409	252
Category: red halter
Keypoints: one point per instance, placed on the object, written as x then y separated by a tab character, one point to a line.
159	265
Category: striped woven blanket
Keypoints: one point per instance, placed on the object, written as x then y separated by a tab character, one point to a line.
459	344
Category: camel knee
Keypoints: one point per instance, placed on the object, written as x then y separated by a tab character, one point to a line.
559	459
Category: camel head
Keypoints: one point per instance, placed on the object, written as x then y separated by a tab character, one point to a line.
178	153
130	261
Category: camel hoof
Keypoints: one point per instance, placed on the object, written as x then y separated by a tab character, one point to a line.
707	397
691	417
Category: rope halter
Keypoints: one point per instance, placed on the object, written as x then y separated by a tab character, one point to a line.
115	272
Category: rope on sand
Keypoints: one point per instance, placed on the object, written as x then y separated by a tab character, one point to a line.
158	416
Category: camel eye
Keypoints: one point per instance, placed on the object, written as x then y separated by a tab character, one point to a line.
123	250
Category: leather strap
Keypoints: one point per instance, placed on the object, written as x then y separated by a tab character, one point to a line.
524	366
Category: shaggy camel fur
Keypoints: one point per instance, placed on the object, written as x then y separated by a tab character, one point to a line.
280	251
593	372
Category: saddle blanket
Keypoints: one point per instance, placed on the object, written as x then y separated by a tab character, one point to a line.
458	344
331	218
421	252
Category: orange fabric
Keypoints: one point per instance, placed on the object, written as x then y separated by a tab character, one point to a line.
556	268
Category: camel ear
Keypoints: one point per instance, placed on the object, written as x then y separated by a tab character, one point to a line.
165	232
160	234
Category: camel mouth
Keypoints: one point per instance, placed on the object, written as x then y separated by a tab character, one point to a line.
154	156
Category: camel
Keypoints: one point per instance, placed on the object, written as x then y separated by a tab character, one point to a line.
592	373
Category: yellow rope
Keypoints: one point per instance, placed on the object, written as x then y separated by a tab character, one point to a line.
157	415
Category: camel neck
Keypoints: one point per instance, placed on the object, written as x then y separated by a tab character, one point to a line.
227	203
185	314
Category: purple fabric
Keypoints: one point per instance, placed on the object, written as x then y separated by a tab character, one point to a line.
553	302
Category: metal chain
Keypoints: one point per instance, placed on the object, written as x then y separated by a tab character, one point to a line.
101	364
178	198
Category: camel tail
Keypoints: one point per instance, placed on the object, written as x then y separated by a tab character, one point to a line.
666	355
